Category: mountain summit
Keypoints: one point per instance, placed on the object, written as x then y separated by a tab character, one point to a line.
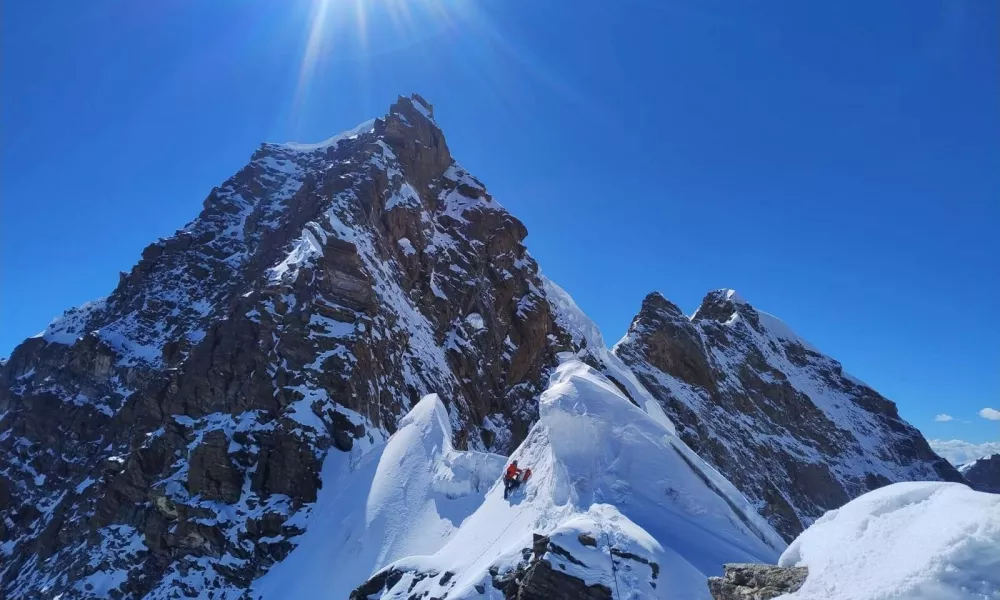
322	291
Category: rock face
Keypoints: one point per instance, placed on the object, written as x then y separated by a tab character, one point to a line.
756	582
541	575
168	438
744	390
983	475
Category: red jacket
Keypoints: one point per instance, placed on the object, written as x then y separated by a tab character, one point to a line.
512	471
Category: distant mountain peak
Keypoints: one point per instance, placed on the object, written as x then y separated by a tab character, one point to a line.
740	384
721	304
655	302
983	474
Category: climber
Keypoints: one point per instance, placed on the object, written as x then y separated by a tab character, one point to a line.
514	477
510	478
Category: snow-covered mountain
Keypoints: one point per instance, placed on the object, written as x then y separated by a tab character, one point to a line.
310	391
174	436
983	474
170	435
783	422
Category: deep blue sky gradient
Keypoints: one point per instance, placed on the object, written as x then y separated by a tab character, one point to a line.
838	163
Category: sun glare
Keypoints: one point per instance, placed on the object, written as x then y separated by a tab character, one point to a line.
331	22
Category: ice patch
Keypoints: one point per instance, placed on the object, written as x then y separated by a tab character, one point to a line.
407	246
405	197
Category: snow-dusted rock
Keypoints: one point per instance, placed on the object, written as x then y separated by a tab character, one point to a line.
322	291
749	581
983	474
783	422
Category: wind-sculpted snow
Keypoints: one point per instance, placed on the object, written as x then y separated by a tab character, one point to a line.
907	541
602	468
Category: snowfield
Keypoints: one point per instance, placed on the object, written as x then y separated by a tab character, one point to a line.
601	467
907	541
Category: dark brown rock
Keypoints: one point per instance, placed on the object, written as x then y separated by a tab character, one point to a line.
212	474
756	582
542	582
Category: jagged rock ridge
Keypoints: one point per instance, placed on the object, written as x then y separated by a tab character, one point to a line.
168	438
783	422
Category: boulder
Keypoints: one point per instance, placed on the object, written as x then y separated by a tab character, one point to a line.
745	581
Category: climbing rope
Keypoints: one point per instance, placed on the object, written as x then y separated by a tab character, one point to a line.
614	568
490	545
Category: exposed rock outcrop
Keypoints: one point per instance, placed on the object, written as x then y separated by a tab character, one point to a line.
541	575
756	582
743	390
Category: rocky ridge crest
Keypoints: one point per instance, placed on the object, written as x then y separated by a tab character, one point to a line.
743	389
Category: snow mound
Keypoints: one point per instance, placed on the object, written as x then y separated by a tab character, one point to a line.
912	541
781	330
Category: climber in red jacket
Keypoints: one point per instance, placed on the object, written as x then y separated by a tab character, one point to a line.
512	478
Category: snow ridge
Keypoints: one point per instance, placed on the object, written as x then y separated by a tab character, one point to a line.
611	492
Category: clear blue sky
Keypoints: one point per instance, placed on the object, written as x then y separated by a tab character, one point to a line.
836	162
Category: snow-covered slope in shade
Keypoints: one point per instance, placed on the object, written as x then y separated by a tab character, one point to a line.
743	389
601	468
907	541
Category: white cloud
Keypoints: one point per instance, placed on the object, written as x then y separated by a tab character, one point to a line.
943	418
959	452
990	413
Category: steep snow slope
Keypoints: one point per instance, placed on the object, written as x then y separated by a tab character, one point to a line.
907	541
601	468
405	497
744	389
